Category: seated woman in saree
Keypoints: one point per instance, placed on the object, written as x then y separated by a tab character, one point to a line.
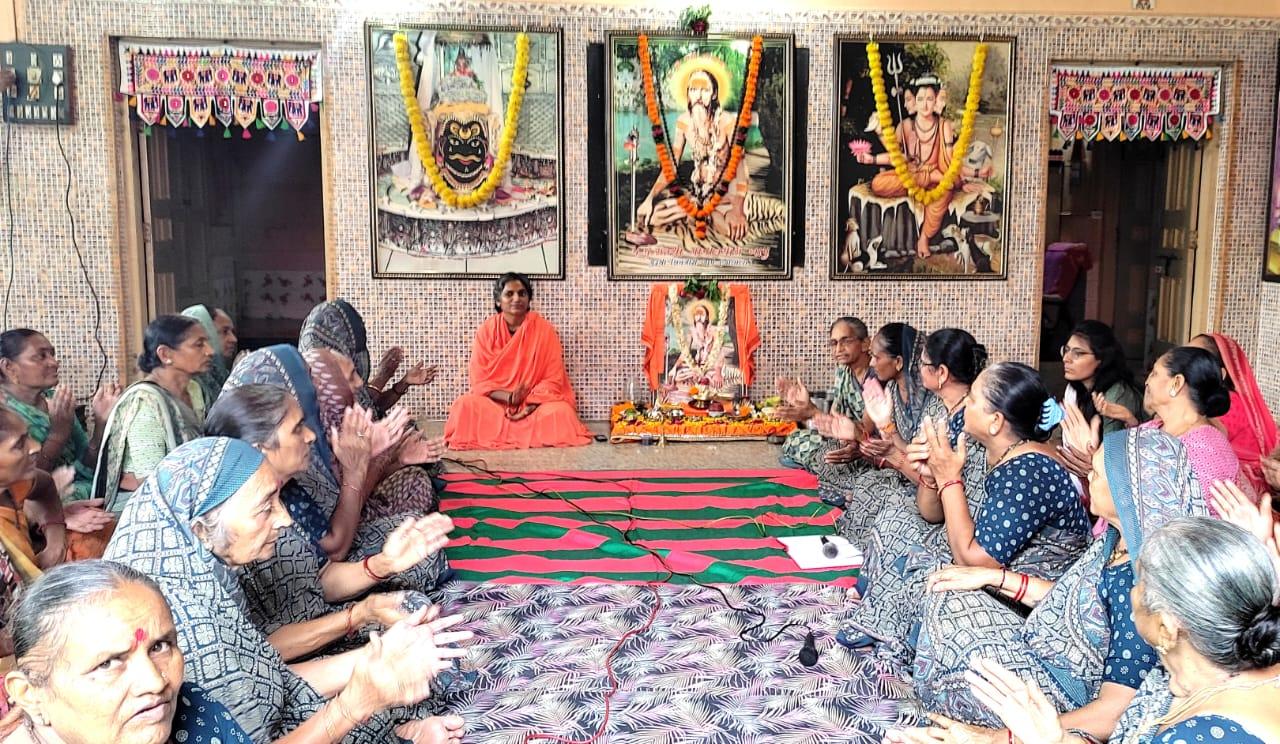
47	418
342	501
30	371
895	403
222	336
1028	517
1184	392
213	508
1078	643
1098	377
520	396
338	326
298	597
1204	599
950	361
1248	422
156	414
98	663
29	504
806	447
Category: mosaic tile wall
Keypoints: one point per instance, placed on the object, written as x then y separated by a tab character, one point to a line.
599	320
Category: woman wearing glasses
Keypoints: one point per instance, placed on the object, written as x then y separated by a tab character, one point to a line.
1099	380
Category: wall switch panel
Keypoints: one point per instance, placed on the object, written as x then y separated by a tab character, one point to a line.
42	92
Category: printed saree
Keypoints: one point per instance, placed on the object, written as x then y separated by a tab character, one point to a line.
210	382
337	325
73	452
1063	644
146	424
225	653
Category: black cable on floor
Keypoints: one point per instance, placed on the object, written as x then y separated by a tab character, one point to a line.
627	538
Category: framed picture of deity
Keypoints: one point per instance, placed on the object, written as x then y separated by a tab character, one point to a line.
699	155
922	157
1271	262
466	160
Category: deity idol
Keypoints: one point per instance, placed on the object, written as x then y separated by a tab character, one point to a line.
926	140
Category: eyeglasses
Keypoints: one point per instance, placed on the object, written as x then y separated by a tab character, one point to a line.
833	343
1071	355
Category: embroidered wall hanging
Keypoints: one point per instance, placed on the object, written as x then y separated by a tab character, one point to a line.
183	85
1134	102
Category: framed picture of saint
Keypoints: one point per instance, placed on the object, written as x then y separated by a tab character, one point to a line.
921	155
467	150
699	156
1271	263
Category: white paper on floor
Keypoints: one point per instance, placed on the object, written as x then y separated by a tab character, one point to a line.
806	551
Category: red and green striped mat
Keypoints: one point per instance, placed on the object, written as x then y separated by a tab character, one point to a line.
716	525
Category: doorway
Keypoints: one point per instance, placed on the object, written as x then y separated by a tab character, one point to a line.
1122	233
232	222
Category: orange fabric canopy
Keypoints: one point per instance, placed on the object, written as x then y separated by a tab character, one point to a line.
654	336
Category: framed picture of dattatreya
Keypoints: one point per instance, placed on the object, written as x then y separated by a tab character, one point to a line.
699	155
467	151
922	157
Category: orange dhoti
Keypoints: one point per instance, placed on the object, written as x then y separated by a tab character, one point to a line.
887	184
500	360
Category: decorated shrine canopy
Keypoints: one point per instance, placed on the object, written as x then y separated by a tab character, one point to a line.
183	85
1134	102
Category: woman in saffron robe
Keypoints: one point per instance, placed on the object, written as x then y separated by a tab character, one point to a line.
520	396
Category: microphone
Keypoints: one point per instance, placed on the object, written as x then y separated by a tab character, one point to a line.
808	652
829	548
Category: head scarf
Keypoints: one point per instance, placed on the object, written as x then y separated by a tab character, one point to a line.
1151	483
1255	413
210	382
333	393
225	653
311	504
284	367
907	415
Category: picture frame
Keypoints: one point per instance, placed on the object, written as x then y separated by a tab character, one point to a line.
653	230
1271	240
463	86
880	231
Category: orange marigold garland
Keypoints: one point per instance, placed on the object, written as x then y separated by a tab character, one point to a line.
697	209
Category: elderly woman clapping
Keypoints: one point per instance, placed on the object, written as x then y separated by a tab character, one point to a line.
213	507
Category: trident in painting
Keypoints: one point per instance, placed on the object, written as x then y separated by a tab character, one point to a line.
893	66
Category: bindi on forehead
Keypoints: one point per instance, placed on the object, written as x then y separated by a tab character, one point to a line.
139	637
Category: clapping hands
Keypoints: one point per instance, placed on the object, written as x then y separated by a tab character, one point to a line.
1080	439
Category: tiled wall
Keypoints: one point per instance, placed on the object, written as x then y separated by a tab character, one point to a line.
600	320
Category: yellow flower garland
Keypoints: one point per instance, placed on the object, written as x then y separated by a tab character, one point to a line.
890	138
484	191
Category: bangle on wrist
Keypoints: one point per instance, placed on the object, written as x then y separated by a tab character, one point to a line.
351	620
369	571
1022	588
954	482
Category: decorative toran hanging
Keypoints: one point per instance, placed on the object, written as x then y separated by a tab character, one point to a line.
181	85
1132	103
